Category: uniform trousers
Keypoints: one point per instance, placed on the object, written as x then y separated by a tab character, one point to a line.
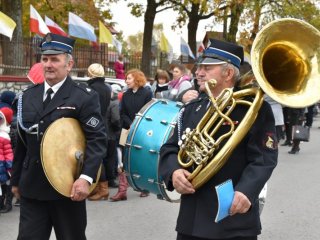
67	217
187	237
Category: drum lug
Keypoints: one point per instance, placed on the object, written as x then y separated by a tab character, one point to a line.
148	118
164	101
150	180
152	151
164	122
136	176
137	146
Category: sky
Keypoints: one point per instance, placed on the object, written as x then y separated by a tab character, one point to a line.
131	25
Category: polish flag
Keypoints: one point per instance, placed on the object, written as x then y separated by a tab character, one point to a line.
37	24
54	28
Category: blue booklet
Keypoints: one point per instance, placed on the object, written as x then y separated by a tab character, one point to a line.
225	193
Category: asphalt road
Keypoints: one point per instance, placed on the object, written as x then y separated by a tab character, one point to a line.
291	210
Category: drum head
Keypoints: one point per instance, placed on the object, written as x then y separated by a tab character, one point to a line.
150	130
61	142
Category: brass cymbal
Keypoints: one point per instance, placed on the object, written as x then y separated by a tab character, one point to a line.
62	151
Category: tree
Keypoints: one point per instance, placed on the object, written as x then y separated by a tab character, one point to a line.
194	11
258	13
153	7
13	8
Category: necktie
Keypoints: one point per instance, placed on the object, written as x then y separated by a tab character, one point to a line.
48	98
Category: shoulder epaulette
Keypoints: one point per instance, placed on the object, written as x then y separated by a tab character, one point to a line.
30	87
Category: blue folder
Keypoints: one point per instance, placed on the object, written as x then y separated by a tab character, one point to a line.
225	193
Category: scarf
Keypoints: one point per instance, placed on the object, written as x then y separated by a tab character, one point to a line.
175	84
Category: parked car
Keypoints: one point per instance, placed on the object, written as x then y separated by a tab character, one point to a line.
110	81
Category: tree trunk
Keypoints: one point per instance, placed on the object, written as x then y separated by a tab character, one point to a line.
147	37
256	23
192	28
236	10
12	51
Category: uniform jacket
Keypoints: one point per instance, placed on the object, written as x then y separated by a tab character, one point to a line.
131	104
249	167
73	101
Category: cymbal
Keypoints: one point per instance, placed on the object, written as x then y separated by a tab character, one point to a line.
62	151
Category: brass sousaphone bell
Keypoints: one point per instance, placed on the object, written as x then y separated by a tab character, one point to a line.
62	154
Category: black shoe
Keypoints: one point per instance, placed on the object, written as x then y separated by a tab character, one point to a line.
294	151
17	203
112	184
6	209
286	143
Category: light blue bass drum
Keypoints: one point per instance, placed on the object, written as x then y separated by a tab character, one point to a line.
151	128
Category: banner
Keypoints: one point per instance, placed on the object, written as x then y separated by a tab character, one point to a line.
81	29
7	25
54	28
164	44
37	24
185	49
117	44
166	47
105	35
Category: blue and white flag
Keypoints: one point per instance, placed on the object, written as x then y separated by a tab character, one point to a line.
81	29
185	49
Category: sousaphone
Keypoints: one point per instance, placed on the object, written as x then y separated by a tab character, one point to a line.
62	154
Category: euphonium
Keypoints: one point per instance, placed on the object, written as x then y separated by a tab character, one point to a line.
285	59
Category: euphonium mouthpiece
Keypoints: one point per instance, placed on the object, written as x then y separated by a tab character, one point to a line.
210	84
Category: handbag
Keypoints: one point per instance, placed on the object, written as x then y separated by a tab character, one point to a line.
300	133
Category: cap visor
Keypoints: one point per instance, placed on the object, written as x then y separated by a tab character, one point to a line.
52	52
212	61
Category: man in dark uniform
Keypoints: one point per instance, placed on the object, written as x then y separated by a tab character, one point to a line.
42	207
249	166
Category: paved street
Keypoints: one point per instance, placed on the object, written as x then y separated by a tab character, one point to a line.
291	210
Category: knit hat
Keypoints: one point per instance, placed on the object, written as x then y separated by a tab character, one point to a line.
95	70
7	97
7	113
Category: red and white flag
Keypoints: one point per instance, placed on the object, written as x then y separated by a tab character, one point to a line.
37	24
54	28
201	48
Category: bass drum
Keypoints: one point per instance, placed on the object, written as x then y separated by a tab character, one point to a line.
151	128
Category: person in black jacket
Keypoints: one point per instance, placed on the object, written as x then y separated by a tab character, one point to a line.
249	166
96	82
42	206
132	101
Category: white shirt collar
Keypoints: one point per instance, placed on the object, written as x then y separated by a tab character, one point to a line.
54	88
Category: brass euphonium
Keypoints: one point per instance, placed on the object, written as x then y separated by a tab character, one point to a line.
285	60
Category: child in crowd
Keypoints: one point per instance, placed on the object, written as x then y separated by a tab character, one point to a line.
161	84
6	158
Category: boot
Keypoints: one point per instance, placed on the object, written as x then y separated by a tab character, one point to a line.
122	190
94	191
295	147
8	201
2	201
102	193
